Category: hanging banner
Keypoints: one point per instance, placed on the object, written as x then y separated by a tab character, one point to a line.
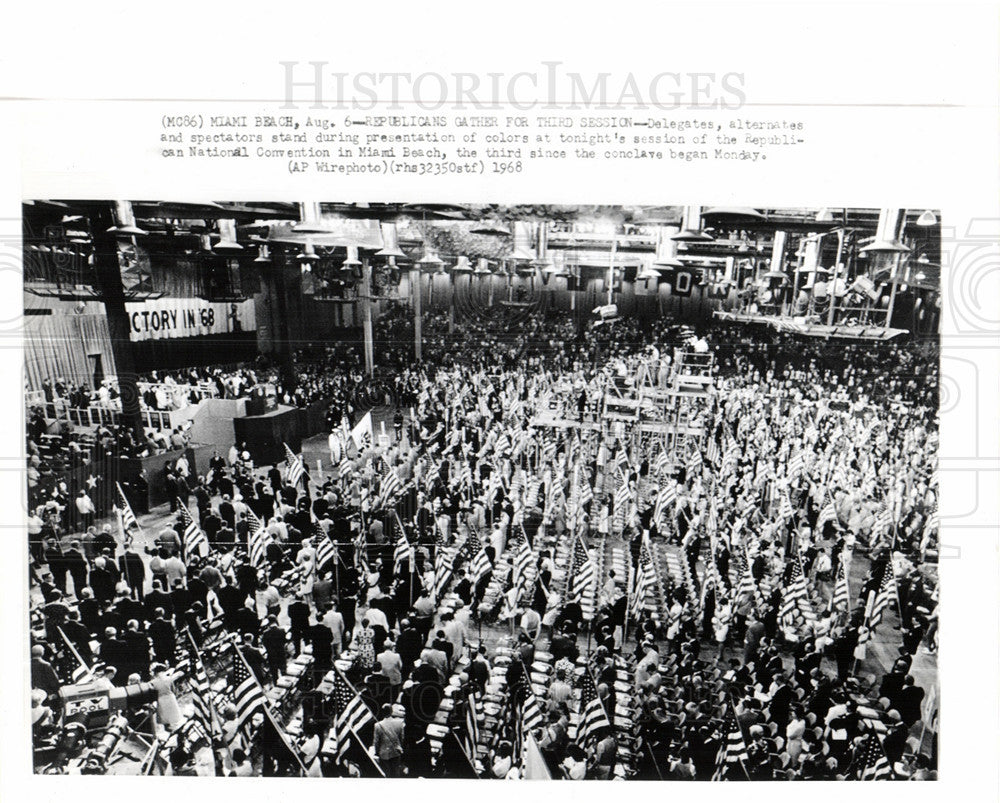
188	317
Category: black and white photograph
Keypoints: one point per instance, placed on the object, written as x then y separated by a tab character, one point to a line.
345	489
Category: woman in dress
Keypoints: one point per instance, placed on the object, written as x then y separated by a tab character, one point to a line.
364	646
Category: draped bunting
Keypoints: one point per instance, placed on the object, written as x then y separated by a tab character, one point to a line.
58	345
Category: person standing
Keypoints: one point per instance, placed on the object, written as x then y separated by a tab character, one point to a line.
388	741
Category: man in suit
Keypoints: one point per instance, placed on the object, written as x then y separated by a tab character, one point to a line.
163	637
781	701
908	702
227	512
298	616
136	650
321	639
275	640
114	654
79	636
408	645
76	564
134	572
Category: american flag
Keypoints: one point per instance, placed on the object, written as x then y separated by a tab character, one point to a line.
257	541
194	537
442	566
621	460
662	465
623	498
125	510
785	508
796	465
586	493
204	712
731	457
795	594
345	469
873	763
76	667
694	463
464	475
583	575
531	711
295	468
325	551
248	695
827	513
712	453
746	586
390	487
361	554
733	750
884	596
841	600
471	726
592	714
502	444
645	580
523	558
481	564
404	552
665	500
548	450
351	714
432	474
883	522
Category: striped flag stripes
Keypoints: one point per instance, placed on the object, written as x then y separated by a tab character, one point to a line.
583	574
257	541
841	600
471	727
531	711
125	509
874	764
712	453
390	488
666	498
785	507
480	563
694	464
884	596
248	694
592	714
795	592
204	711
645	580
796	465
404	552
523	558
194	537
746	586
442	567
662	464
326	553
295	468
351	714
77	668
733	750
827	513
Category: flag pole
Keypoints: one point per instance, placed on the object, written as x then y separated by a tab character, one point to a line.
270	715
